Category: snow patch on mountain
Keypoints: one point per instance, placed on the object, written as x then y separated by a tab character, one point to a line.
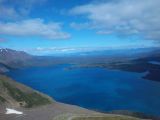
12	111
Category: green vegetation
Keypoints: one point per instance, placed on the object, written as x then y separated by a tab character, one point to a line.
2	99
27	100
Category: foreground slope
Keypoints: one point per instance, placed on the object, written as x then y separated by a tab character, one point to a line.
18	95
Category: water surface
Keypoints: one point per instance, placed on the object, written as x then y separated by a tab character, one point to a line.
94	88
154	62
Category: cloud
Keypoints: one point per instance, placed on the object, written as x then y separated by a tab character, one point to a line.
54	49
14	20
80	25
50	50
123	17
33	27
17	9
82	50
8	13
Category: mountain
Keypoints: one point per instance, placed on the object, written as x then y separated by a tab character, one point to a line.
9	55
13	58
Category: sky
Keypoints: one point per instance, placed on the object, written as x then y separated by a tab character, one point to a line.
45	26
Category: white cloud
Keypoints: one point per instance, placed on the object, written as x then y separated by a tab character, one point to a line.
33	27
8	13
80	25
17	9
50	50
16	12
54	49
123	17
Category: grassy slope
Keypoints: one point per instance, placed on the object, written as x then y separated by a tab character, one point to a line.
19	95
2	100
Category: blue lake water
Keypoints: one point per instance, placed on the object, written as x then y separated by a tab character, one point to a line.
94	88
155	62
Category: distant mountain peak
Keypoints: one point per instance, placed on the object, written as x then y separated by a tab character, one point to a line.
10	51
13	57
3	49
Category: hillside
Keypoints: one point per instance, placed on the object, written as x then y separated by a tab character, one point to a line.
13	58
10	59
18	95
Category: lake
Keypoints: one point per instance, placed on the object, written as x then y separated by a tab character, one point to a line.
154	62
93	88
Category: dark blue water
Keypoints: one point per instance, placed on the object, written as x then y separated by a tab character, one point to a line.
154	62
94	88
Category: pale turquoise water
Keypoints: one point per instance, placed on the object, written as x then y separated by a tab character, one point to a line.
94	88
